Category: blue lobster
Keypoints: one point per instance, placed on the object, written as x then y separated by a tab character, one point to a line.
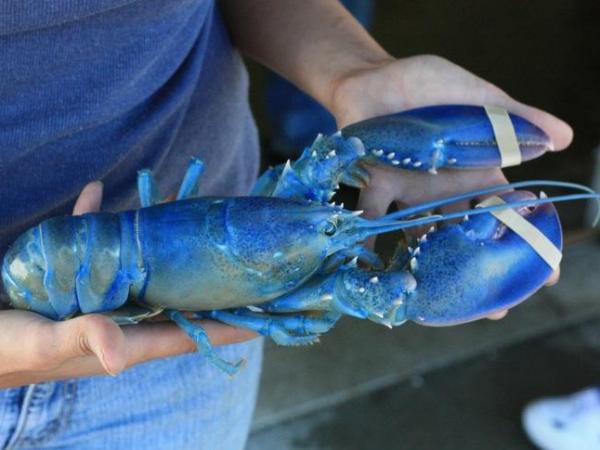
283	262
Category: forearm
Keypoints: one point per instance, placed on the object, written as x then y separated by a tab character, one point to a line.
312	43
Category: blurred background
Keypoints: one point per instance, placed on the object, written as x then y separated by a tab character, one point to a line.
366	387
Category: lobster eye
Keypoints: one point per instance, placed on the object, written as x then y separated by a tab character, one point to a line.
330	228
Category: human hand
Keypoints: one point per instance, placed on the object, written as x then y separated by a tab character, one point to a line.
396	85
34	349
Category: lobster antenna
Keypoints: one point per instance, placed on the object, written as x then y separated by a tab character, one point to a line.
365	228
490	190
475	211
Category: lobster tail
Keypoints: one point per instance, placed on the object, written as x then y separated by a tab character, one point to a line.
23	274
67	265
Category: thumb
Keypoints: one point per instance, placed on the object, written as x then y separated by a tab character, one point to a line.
92	335
559	131
90	199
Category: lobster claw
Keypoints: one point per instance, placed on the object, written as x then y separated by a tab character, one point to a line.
448	136
469	270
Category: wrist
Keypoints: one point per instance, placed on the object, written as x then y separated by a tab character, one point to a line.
316	46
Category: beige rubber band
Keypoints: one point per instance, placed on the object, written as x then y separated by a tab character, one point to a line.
534	237
506	138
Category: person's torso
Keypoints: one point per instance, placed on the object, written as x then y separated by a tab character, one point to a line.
98	89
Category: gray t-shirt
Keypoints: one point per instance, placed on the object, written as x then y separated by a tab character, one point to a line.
98	89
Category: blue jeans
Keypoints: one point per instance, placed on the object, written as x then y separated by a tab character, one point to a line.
175	403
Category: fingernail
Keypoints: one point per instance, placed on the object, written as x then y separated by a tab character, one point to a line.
105	364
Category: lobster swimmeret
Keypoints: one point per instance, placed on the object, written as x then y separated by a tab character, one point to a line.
283	262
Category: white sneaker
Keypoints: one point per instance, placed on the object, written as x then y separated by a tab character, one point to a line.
565	423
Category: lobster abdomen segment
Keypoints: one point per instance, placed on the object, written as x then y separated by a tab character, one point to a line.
67	265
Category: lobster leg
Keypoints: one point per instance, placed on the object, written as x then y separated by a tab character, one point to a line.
205	348
316	295
147	188
375	295
284	330
130	314
190	186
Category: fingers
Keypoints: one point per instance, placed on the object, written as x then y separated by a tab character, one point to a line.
498	315
426	80
559	131
30	343
90	199
551	281
553	278
478	91
375	200
90	345
222	334
464	205
170	198
146	342
106	350
162	339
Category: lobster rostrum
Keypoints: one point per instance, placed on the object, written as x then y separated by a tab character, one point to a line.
287	267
